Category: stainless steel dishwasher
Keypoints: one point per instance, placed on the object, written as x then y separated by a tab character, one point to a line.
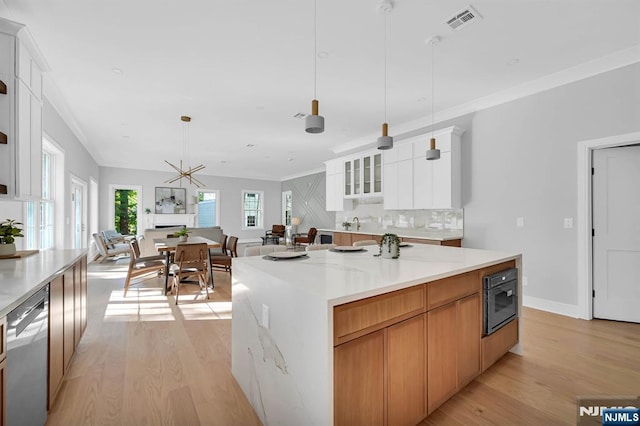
27	343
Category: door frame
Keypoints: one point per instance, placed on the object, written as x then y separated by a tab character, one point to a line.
112	204
585	217
75	180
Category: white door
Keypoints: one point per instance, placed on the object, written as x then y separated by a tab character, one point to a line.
616	241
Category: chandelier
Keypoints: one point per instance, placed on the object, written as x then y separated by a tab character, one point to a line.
186	173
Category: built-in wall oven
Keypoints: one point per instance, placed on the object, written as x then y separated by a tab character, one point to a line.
500	299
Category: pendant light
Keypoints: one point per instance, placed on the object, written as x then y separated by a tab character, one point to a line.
185	172
385	141
314	123
433	153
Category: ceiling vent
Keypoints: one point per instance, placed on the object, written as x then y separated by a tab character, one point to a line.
467	16
300	115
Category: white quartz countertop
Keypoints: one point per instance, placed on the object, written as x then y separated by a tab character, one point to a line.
428	234
20	278
344	277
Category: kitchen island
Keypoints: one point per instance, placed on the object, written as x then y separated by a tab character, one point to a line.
440	237
313	335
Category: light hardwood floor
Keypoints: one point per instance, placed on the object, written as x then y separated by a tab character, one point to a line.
144	361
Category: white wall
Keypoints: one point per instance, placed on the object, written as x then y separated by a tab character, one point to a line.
77	161
519	160
230	196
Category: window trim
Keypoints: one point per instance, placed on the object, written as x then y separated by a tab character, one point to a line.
259	226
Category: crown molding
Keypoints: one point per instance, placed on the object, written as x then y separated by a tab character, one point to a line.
303	174
588	69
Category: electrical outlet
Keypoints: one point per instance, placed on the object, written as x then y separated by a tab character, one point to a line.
520	222
568	223
525	282
265	316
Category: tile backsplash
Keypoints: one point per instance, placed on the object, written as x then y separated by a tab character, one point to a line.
374	217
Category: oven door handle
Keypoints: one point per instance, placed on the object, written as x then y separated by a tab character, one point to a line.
509	293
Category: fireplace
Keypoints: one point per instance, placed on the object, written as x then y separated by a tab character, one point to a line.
151	221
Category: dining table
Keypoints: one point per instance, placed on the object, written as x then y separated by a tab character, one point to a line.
169	245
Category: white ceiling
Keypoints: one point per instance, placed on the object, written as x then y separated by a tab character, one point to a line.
243	68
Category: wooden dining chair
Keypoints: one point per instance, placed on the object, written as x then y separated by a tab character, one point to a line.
141	265
190	261
223	261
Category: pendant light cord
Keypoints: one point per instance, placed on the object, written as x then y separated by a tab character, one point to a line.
433	48
315	48
385	67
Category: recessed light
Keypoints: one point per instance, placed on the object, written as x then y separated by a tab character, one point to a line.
260	108
223	161
513	61
421	99
116	70
323	54
250	145
290	159
125	137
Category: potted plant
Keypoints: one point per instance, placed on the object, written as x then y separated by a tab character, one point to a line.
182	234
389	246
346	225
147	210
9	230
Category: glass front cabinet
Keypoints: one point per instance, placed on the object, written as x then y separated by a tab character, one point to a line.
363	176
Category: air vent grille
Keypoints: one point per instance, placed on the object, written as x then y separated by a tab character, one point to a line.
463	18
300	115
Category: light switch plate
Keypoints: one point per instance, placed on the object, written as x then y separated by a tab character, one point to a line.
568	222
520	222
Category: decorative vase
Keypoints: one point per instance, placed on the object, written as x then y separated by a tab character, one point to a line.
182	238
7	249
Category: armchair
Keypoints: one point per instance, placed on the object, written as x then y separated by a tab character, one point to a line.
308	238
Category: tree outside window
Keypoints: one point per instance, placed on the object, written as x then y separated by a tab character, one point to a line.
126	211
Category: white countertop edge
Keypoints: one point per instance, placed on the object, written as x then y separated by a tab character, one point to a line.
331	303
37	287
401	234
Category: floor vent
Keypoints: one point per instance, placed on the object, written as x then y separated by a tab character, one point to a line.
468	16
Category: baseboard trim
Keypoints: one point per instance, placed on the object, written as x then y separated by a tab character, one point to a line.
551	306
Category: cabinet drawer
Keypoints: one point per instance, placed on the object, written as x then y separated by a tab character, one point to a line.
358	318
453	288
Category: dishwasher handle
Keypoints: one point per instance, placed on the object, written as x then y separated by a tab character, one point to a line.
26	313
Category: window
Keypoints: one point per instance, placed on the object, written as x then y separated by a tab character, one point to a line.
208	208
39	222
252	209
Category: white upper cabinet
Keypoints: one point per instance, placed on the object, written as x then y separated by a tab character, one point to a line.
335	200
21	70
412	182
437	184
363	175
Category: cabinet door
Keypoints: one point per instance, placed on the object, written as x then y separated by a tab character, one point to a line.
77	295
56	337
377	173
405	184
348	178
342	239
359	381
469	338
3	392
406	366
83	294
441	354
366	175
330	189
23	142
69	317
422	183
442	182
357	175
360	237
391	186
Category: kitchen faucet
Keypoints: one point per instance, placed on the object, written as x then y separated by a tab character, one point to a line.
357	221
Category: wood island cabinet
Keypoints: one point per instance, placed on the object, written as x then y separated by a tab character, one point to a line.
348	238
400	355
67	322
